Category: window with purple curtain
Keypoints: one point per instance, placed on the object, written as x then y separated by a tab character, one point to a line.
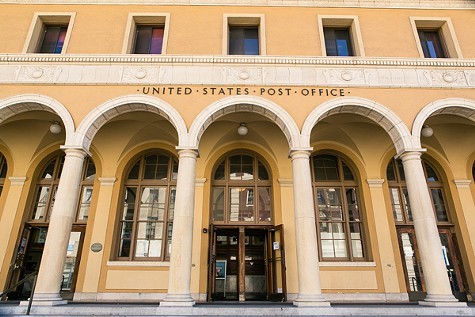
52	39
148	39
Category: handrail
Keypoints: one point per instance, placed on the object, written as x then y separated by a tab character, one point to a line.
35	272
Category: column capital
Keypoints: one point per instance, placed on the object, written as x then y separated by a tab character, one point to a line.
300	152
107	181
185	151
76	151
410	154
462	183
375	182
17	181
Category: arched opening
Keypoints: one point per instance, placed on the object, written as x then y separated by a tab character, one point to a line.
246	249
32	240
408	247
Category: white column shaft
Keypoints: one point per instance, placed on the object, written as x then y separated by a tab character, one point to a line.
427	235
310	293
62	217
182	236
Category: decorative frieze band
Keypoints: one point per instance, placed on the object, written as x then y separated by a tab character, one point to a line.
420	4
239	75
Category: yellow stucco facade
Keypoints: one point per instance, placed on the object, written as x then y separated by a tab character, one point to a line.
365	111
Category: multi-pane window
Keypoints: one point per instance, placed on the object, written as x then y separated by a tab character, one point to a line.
241	191
338	41
432	44
47	187
338	212
243	40
148	39
85	198
3	171
52	39
399	195
146	215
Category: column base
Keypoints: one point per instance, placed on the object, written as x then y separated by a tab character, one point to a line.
441	301
45	299
311	301
184	300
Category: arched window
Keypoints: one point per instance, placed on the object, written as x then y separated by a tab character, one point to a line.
3	171
338	214
146	216
406	233
241	191
47	186
399	195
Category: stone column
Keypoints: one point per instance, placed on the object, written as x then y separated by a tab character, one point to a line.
182	237
310	292
48	285
436	280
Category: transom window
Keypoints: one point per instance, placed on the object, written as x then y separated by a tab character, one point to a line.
400	198
47	187
241	191
148	203
338	214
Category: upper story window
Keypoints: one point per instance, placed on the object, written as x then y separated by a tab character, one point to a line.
340	35
49	33
148	39
338	210
400	197
243	40
52	40
47	186
147	208
431	43
435	37
338	42
241	191
244	35
146	33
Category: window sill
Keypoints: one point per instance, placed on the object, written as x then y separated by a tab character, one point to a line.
137	263
347	264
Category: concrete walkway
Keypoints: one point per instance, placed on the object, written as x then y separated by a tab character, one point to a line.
225	309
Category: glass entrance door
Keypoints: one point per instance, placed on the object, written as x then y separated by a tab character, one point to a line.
247	264
28	260
413	269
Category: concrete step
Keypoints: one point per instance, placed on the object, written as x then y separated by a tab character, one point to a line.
211	310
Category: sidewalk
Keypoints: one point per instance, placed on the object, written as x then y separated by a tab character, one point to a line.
228	309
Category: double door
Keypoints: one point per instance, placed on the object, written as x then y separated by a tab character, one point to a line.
28	260
246	264
413	269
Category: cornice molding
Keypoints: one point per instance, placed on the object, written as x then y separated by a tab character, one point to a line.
382	4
